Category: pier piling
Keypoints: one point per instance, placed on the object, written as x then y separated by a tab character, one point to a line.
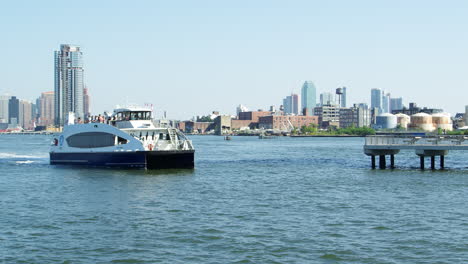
424	146
382	162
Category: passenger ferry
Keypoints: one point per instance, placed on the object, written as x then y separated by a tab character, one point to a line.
129	138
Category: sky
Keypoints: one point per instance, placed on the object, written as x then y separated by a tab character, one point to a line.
194	57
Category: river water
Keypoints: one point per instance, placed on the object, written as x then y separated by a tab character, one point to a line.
285	200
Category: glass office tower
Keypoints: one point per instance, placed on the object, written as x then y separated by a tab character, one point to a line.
309	97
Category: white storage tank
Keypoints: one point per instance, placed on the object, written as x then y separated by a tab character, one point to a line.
422	121
386	121
403	120
442	121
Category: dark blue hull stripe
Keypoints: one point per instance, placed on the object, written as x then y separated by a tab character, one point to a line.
148	159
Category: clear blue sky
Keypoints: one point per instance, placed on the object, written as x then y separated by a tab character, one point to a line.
192	57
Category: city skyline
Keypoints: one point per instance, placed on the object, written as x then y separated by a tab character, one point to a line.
151	51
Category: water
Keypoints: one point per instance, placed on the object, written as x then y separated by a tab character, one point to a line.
287	200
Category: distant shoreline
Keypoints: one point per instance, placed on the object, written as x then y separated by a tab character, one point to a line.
27	133
293	136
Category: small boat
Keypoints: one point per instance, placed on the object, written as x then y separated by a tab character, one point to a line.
129	139
263	136
227	138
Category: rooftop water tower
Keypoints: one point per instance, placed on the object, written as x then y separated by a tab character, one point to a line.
339	93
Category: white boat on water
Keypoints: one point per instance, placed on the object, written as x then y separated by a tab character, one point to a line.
128	139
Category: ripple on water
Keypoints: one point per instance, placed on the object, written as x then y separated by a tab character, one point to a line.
247	201
329	256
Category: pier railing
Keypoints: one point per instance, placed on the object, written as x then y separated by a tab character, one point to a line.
440	140
424	146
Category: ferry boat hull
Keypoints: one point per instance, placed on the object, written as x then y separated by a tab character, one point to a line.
139	159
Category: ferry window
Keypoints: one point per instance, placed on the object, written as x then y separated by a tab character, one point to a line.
121	141
91	140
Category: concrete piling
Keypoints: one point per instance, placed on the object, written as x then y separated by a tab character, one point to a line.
382	162
424	146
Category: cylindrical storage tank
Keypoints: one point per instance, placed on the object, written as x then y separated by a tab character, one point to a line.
403	120
442	121
422	121
386	121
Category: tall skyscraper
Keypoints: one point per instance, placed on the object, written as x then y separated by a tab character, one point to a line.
13	111
376	99
386	102
291	104
287	105
343	97
68	83
309	96
46	109
4	102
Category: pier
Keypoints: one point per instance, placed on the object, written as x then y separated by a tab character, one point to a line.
424	146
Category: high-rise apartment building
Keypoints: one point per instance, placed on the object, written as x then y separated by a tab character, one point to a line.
68	83
46	111
308	96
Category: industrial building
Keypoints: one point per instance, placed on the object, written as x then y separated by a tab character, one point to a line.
355	117
418	122
414	109
386	121
285	123
327	115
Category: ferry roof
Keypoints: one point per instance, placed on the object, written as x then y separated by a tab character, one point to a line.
132	109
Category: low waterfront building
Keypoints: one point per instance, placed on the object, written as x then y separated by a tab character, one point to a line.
286	122
253	116
196	127
222	124
237	124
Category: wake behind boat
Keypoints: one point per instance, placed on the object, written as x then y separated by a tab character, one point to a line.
130	139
